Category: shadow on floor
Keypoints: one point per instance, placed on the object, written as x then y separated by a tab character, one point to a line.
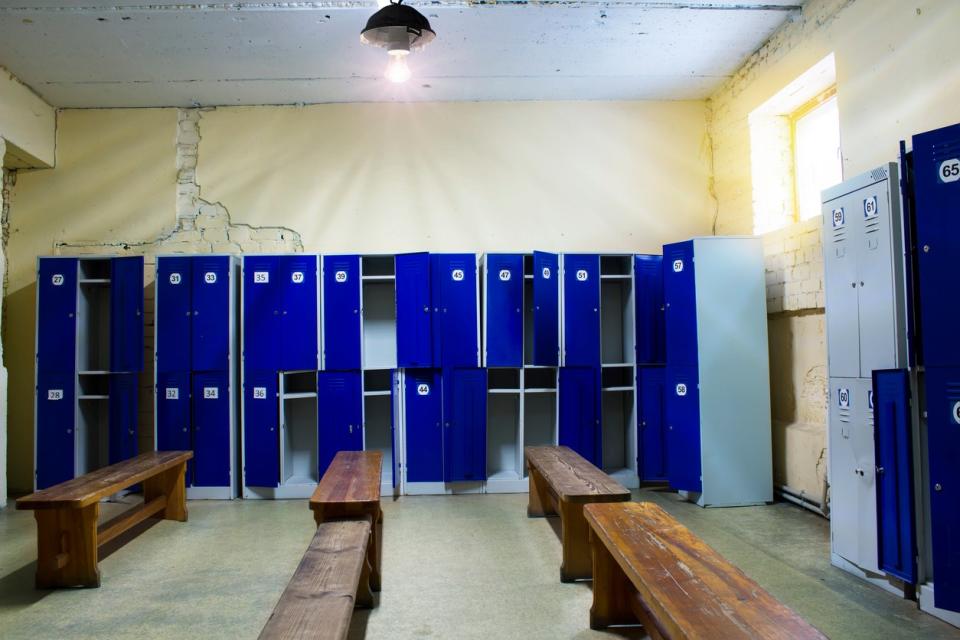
17	588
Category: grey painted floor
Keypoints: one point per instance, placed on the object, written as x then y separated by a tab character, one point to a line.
454	567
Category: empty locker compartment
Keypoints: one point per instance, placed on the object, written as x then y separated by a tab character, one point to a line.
504	452
298	428
617	324
93	322
93	432
378	418
379	306
618	415
539	409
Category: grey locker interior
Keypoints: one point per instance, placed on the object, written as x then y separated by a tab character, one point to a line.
616	310
93	316
539	408
379	312
93	432
378	418
298	443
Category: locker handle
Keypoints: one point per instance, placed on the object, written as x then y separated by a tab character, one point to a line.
426	309
880	470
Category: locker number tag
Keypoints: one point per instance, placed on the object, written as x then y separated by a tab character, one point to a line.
296	277
340	276
174	278
54	394
681	389
677	266
261	277
423	389
546	273
172	393
211	393
504	275
950	170
457	275
843	398
870	399
57	279
210	277
955	413
581	275
870	207
259	393
838	217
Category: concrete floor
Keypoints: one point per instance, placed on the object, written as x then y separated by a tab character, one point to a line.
454	567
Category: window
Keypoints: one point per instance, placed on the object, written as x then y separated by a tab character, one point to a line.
816	153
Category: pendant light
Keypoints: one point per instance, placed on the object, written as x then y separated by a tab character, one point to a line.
399	29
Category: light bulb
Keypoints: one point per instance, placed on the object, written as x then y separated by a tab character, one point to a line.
397	69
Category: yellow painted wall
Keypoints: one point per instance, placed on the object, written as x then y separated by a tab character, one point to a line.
27	123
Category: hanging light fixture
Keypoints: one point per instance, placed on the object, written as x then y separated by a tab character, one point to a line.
399	29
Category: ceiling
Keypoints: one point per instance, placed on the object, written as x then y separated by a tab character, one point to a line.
139	53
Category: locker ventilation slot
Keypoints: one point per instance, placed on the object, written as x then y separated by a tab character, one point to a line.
946	151
878	174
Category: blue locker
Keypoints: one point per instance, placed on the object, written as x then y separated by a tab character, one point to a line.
546	309
123	416
339	414
649	309
261	313
414	342
465	425
210	331
893	443
683	427
173	413
126	314
174	315
424	414
261	455
579	420
341	312
504	309
211	429
56	407
298	317
454	293
680	300
581	310
652	437
57	315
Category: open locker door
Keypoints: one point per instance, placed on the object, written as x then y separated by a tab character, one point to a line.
546	309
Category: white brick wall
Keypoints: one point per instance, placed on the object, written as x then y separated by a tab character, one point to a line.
793	258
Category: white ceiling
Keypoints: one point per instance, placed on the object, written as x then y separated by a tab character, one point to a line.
137	53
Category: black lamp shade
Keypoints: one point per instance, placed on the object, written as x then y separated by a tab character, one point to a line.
382	26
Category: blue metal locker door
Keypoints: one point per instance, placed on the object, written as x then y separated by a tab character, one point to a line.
261	429
455	309
414	342
56	422
210	341
680	297
581	310
126	314
174	315
683	428
298	335
57	316
504	309
943	442
652	458
465	425
339	414
211	429
546	309
579	390
124	390
893	446
936	162
261	315
649	309
173	414
423	423
341	312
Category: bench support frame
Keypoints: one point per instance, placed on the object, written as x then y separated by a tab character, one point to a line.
573	527
346	511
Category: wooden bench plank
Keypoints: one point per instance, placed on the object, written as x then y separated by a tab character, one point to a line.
330	580
571	477
649	566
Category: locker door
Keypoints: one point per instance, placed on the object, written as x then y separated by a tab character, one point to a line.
341	312
423	420
126	314
844	479
862	439
943	438
261	418
649	309
210	339
504	309
465	425
414	342
211	429
876	280
56	423
841	226
57	315
124	391
174	313
173	414
339	414
298	334
683	428
680	302
579	390
652	458
894	447
581	310
455	331
261	315
546	309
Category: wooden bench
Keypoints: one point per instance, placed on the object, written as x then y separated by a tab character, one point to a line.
648	568
350	488
333	578
67	533
562	481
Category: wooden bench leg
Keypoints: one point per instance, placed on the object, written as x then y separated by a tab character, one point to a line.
376	550
171	484
67	547
576	546
539	504
612	591
364	599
